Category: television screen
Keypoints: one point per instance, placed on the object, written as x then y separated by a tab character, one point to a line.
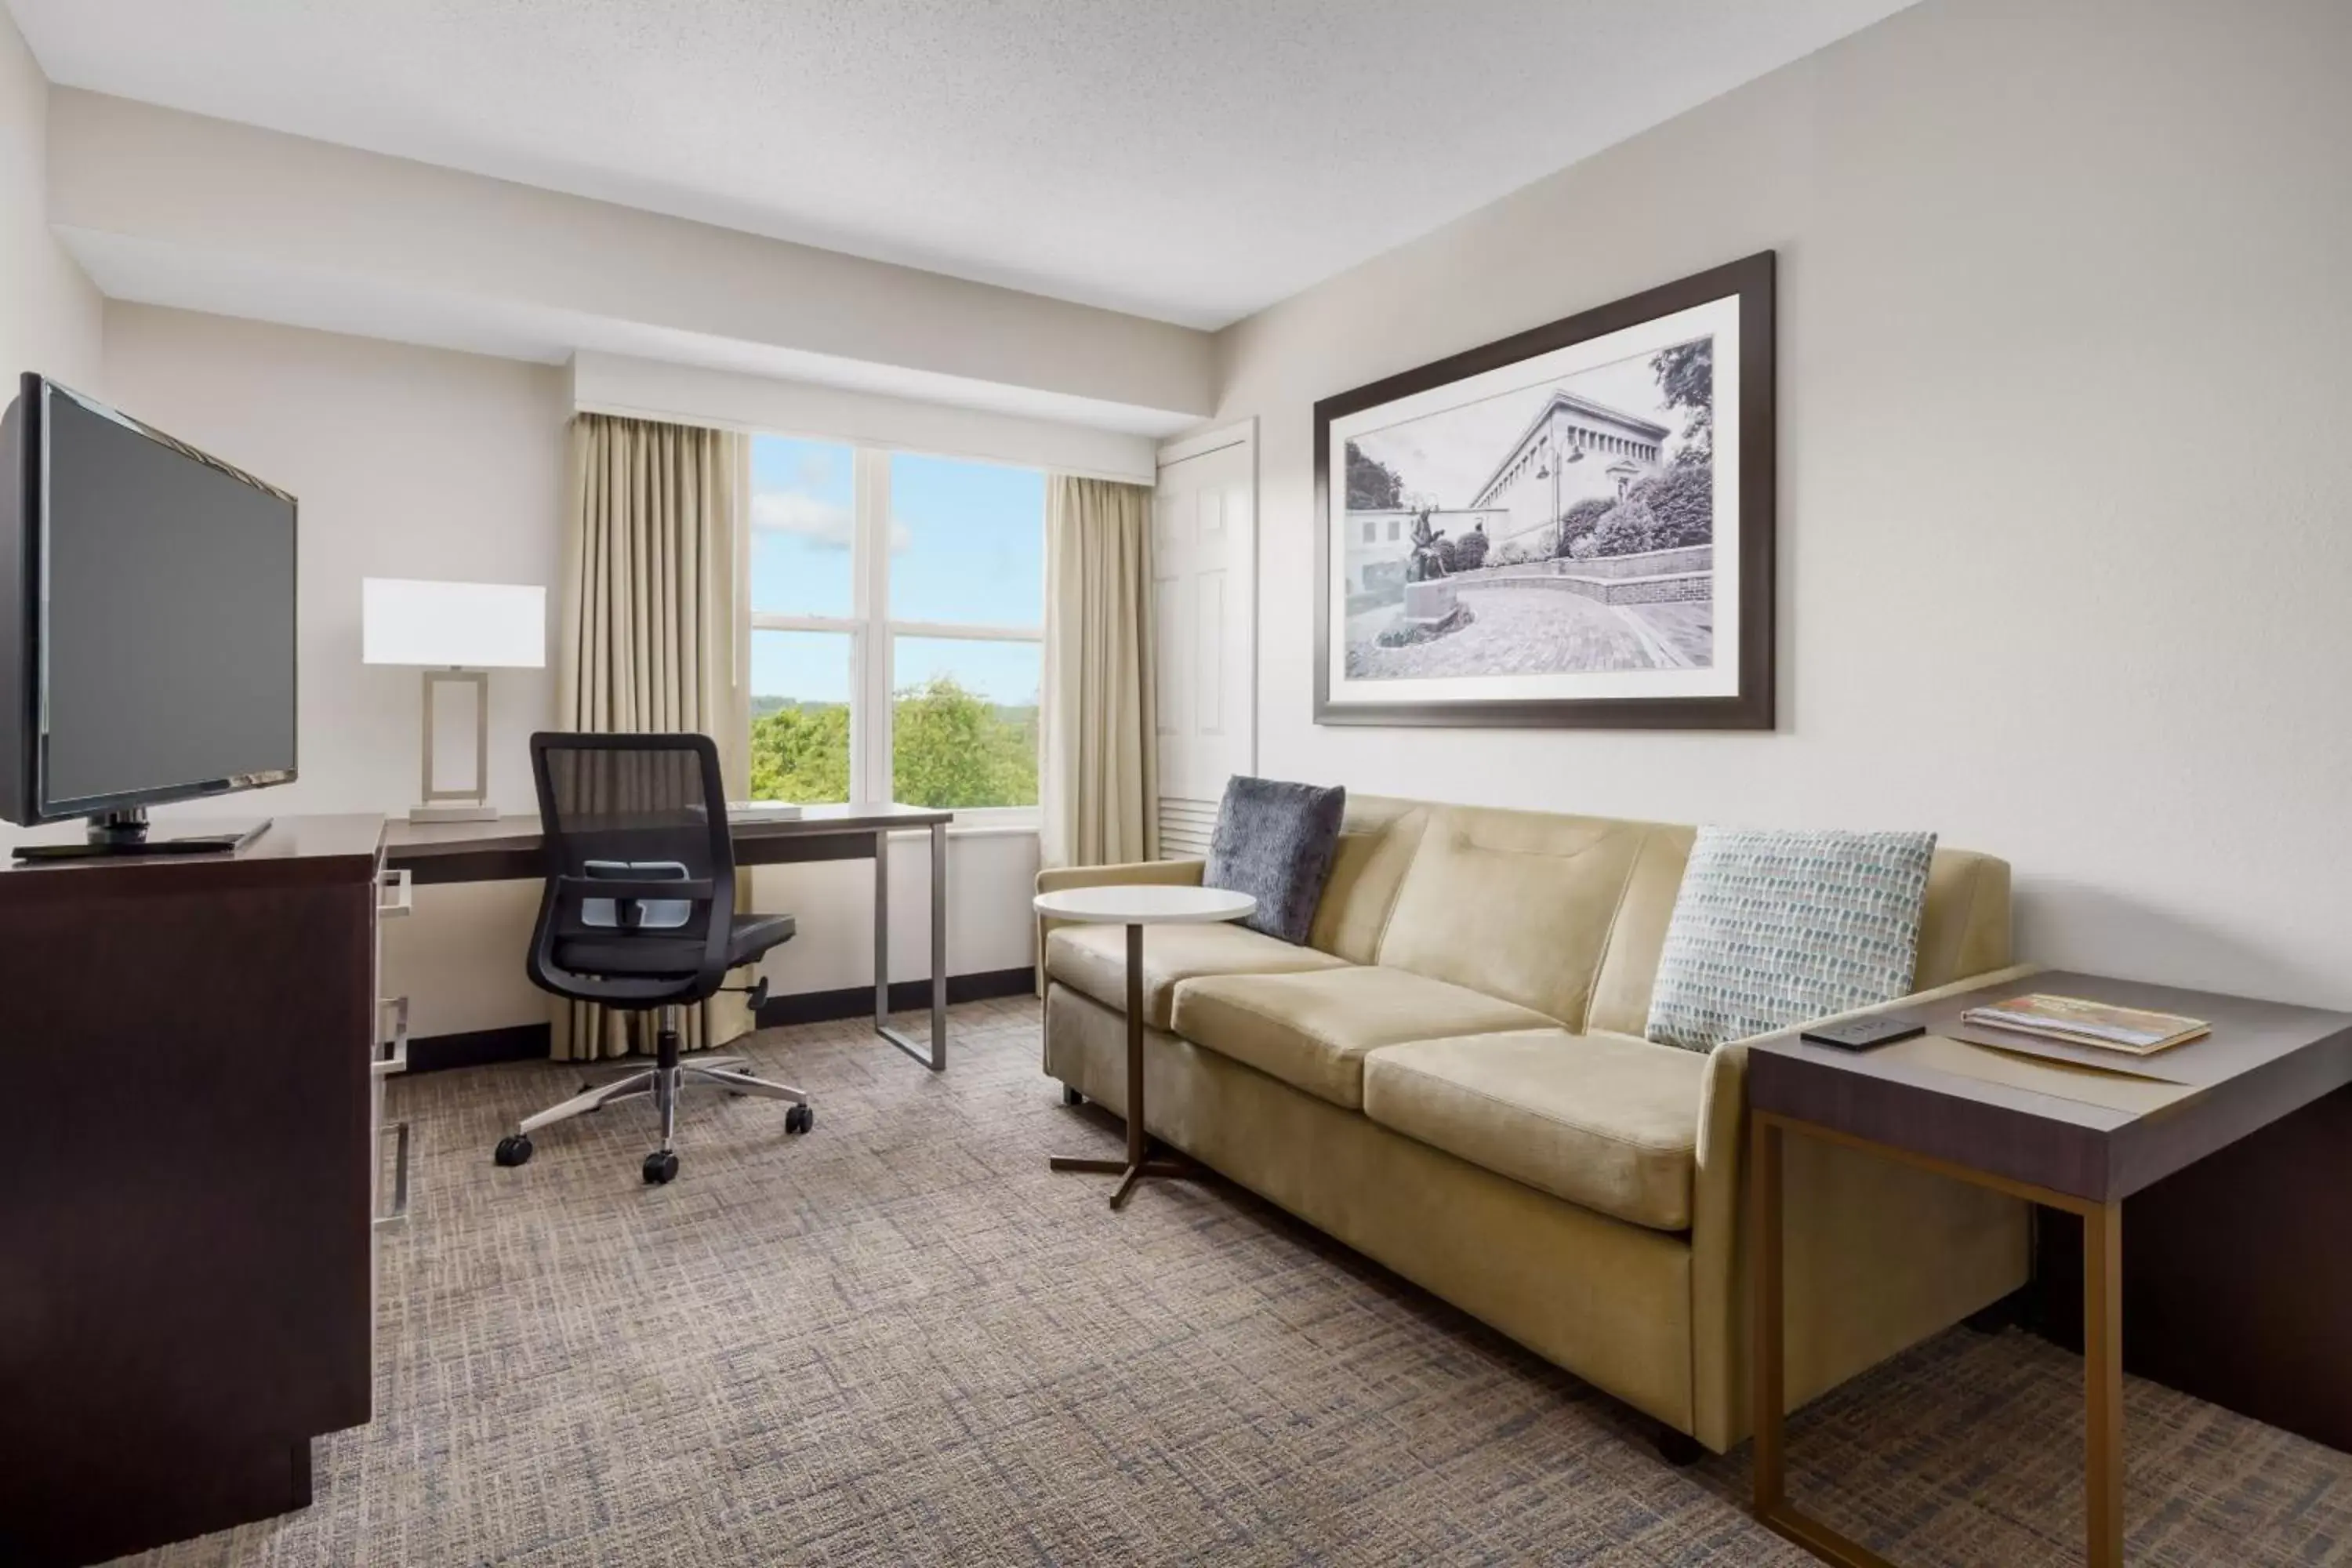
163	665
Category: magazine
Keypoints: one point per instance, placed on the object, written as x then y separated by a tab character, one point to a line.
2082	1023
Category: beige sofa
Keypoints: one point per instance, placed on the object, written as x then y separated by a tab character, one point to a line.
1450	1077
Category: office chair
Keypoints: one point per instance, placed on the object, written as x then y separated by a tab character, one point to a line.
639	914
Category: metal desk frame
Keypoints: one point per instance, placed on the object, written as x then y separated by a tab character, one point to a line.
510	850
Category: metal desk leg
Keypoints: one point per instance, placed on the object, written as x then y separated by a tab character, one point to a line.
938	947
934	1055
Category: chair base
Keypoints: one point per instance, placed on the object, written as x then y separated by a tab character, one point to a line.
664	1081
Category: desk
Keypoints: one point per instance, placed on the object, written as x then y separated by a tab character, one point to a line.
2074	1138
510	850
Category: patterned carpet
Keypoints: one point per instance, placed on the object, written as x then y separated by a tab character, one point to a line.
900	1340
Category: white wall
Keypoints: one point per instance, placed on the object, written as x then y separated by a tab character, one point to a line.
408	462
49	312
2065	521
181	209
693	395
425	463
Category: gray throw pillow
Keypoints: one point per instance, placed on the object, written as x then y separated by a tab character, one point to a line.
1274	841
1774	928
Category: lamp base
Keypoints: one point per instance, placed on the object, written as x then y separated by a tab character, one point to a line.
453	813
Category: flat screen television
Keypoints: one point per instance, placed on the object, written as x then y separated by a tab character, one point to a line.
147	634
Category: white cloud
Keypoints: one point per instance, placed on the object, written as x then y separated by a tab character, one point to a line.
827	525
823	523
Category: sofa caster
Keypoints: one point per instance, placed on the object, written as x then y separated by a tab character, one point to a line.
1071	1096
1679	1449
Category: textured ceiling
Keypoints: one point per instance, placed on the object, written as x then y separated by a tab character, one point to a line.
1191	160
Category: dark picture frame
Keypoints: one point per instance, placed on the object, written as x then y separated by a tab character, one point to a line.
1750	282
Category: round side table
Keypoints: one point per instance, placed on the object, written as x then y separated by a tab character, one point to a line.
1136	907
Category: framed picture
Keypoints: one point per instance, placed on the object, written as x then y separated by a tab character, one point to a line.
1572	526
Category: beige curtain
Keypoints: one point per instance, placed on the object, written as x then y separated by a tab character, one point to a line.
649	639
1099	782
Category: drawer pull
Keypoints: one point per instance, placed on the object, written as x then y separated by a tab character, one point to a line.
399	1211
397	893
392	1055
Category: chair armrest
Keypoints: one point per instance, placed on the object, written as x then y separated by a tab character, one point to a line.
1175	873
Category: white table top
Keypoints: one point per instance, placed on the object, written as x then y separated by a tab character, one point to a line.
1145	904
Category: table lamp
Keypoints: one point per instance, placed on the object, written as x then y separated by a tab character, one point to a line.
460	632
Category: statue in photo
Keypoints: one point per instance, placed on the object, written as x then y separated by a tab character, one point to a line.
1428	562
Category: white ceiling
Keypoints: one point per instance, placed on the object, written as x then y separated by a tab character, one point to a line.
1189	160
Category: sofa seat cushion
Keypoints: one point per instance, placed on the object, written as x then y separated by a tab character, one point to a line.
1605	1121
1312	1030
1093	959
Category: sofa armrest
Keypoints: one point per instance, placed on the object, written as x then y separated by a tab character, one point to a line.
1177	873
1719	1219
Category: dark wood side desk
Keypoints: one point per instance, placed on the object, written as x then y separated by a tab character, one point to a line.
2072	1138
508	849
186	1237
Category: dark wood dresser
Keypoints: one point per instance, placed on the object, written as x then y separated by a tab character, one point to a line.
190	1107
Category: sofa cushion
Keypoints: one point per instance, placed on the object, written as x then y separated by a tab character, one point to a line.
1772	927
1311	1030
1609	1123
1274	841
1516	904
1093	959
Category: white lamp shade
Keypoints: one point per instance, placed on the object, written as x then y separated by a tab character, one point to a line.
460	626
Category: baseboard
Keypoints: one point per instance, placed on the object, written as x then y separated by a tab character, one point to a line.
533	1042
906	996
479	1047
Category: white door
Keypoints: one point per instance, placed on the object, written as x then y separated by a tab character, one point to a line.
1204	625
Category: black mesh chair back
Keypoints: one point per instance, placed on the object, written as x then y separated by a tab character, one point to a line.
639	904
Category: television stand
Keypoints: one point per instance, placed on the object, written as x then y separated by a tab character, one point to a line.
113	832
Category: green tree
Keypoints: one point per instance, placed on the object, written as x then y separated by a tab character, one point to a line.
1372	485
801	754
952	747
1685	375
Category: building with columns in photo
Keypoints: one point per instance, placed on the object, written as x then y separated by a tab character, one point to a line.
1573	449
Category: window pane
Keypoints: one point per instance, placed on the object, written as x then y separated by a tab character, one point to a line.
967	542
804	520
964	725
800	717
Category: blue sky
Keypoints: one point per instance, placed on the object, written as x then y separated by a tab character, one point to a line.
967	544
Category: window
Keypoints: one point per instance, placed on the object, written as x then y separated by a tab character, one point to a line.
897	626
1371	532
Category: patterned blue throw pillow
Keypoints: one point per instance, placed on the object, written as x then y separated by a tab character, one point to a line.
1773	928
1274	842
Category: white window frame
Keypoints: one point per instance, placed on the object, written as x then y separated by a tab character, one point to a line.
873	633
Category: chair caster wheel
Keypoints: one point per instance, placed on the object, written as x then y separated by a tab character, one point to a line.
661	1166
514	1149
800	1119
1071	1096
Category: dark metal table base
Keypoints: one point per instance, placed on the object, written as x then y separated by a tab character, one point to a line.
1143	1159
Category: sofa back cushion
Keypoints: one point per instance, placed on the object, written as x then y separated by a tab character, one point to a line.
1606	937
1517	904
1378	838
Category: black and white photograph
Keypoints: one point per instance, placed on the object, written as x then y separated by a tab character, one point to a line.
1565	526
